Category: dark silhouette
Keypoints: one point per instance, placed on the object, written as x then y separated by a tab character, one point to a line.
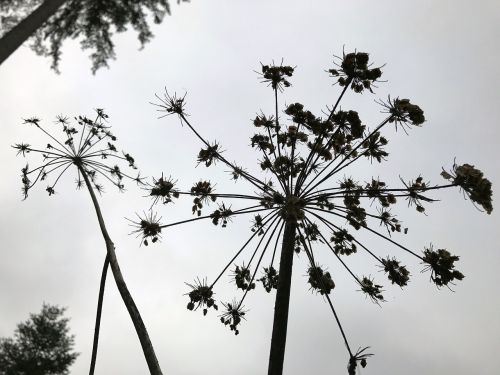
51	22
41	345
84	149
305	198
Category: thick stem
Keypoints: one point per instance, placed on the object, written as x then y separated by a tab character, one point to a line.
280	323
27	27
98	314
140	328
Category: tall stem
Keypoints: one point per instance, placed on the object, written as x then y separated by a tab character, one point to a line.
280	323
99	314
27	27
140	328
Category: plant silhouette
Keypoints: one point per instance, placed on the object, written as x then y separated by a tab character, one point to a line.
88	149
304	201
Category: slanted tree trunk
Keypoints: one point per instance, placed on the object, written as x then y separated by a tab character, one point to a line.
27	27
140	328
280	323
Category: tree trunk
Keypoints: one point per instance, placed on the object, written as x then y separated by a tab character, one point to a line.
27	27
280	322
142	333
98	315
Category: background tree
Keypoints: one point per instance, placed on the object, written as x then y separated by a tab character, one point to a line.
84	149
51	22
41	345
305	200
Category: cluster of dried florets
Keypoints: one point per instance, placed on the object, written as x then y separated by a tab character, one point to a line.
242	278
201	295
442	267
303	198
320	280
148	227
270	279
474	184
233	315
355	70
162	190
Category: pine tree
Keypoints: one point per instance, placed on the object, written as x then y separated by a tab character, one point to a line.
41	345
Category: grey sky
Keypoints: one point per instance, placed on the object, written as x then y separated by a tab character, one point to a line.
443	55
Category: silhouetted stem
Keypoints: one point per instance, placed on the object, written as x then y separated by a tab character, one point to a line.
280	322
140	328
98	314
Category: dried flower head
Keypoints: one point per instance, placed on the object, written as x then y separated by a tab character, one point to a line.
320	280
270	279
306	198
242	278
473	183
355	70
396	273
148	227
403	112
162	190
442	266
83	146
276	75
201	295
232	316
372	290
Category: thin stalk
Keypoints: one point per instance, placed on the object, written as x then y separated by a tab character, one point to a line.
253	180
374	232
334	227
98	315
258	262
238	212
265	220
142	333
313	264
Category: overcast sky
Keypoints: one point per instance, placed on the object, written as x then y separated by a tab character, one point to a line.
443	55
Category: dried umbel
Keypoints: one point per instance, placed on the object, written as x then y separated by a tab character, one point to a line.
320	280
232	316
473	183
148	227
87	146
201	295
162	190
442	266
305	201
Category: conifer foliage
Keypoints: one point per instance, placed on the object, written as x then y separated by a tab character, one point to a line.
51	22
41	345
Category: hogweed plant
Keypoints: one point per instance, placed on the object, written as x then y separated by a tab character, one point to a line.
88	148
303	203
